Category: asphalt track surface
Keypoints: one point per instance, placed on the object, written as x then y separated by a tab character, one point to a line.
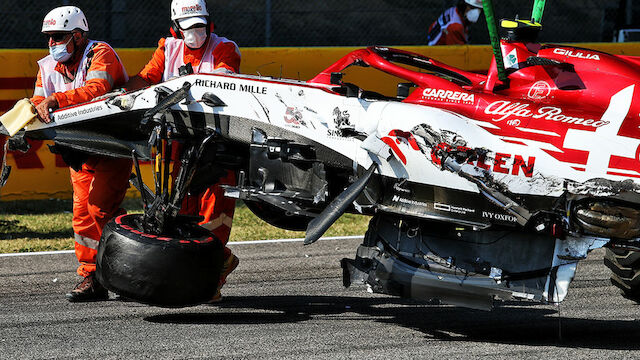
286	301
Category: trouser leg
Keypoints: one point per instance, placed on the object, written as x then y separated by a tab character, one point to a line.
99	189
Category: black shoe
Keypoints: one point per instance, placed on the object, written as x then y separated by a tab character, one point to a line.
89	289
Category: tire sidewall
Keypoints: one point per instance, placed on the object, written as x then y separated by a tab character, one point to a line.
158	270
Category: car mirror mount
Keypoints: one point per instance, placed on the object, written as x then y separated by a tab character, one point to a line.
404	89
336	78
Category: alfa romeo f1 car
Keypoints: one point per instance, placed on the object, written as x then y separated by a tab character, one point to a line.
479	188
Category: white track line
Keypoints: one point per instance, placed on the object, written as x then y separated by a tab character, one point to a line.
253	242
38	253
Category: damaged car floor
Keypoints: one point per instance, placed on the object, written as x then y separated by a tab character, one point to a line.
287	301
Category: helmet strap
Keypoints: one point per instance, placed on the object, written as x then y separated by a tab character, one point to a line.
175	30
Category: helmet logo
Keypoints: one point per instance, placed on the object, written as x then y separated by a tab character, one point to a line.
65	18
195	9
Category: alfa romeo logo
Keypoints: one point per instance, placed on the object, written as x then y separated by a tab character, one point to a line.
539	90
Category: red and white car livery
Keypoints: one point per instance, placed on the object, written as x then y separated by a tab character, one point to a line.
509	183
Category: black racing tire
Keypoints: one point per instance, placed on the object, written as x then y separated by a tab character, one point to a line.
625	267
169	271
277	217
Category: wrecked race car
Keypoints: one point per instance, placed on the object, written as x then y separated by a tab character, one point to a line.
480	188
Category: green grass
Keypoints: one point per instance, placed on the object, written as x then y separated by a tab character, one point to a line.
45	225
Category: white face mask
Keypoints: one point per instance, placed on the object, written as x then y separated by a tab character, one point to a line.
59	52
195	38
473	15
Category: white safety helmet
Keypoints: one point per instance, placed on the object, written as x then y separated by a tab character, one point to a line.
189	12
65	18
474	3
